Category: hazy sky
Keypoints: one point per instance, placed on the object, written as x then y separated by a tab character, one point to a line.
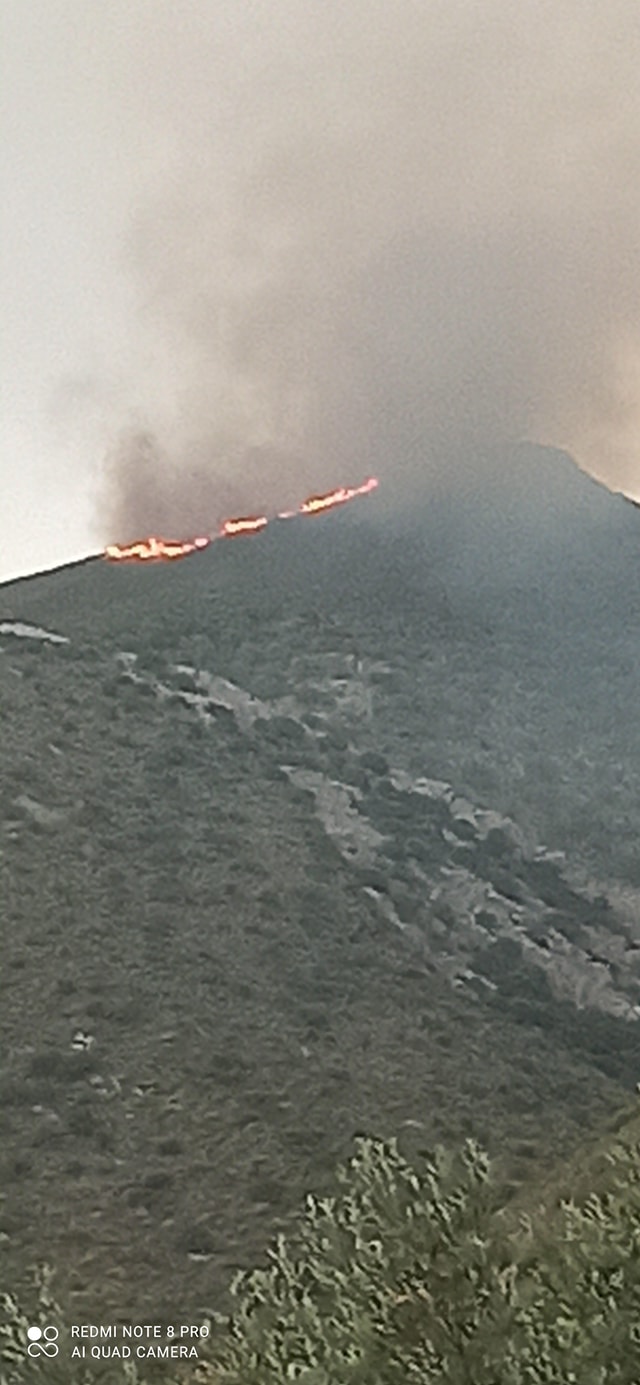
255	249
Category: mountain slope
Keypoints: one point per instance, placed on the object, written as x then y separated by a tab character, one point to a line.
311	834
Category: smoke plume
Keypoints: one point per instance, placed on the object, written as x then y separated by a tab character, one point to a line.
373	237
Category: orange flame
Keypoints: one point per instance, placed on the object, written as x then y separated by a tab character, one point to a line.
252	524
154	549
316	503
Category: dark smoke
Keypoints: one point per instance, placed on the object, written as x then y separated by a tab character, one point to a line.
411	238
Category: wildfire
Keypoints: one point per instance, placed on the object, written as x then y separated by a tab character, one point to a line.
316	503
251	525
155	549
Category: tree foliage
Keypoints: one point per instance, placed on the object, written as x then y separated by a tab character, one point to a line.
408	1274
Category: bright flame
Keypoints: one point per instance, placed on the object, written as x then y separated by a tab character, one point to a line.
316	503
155	549
251	525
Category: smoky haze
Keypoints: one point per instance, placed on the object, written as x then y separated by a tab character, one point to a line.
375	237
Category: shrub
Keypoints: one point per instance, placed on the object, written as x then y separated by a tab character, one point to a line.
409	1275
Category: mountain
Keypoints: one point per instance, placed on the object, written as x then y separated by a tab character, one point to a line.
328	830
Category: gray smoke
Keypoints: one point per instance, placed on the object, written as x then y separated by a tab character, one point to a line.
376	237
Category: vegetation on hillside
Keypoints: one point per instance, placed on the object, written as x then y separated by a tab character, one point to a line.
203	996
412	1273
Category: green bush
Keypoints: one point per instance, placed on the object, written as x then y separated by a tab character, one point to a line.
409	1275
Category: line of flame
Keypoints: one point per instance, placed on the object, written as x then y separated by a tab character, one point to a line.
155	548
252	524
316	503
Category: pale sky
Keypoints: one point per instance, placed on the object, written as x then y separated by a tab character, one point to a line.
291	242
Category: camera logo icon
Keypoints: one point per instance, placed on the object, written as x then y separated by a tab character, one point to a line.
43	1341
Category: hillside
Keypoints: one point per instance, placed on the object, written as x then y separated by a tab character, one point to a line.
327	831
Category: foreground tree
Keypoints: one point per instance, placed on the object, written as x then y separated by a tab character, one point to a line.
409	1274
